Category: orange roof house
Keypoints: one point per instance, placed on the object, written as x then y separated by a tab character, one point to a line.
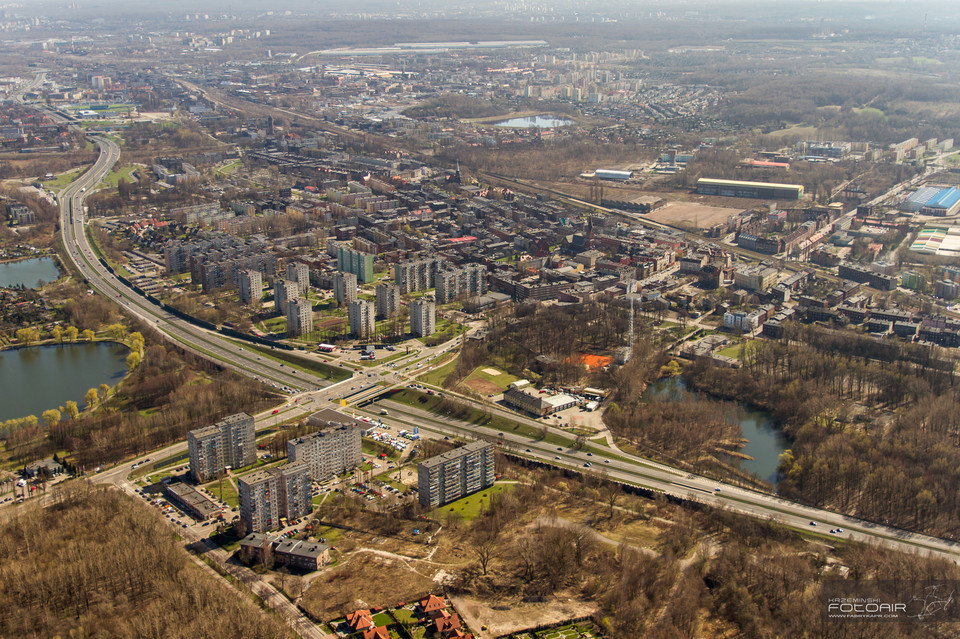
360	620
447	624
431	603
376	633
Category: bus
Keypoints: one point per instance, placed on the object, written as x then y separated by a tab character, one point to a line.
326	348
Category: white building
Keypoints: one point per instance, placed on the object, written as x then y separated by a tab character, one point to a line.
251	286
345	287
423	317
363	323
299	316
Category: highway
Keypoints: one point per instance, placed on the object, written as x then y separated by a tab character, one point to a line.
616	464
202	342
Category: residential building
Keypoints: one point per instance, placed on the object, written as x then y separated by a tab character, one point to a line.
231	442
251	286
296	553
464	282
266	496
755	278
388	300
363	323
345	287
423	317
283	292
417	275
300	273
299	316
332	450
356	262
455	474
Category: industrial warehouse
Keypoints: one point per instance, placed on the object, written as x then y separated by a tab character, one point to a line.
757	190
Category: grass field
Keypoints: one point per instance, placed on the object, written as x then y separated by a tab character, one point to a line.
229	495
734	349
438	375
470	507
63	179
482	380
113	178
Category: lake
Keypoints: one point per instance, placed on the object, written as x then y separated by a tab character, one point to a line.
765	440
534	121
29	272
41	377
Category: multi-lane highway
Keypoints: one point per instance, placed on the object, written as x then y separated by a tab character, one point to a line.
200	341
617	465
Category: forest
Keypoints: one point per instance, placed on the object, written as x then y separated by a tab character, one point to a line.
873	423
96	564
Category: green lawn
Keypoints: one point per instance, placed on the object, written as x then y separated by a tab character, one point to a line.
229	495
113	178
63	179
734	349
501	381
404	614
382	619
438	375
469	508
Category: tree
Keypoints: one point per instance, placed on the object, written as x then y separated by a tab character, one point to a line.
27	335
72	332
57	334
483	549
71	409
104	391
51	416
137	341
91	399
117	331
133	360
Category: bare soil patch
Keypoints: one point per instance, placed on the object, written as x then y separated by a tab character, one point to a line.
692	214
519	615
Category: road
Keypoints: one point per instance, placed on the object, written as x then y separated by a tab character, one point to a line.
202	342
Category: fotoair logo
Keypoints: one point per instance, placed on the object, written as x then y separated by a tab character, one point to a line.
902	601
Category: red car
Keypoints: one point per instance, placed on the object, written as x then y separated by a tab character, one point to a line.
276	410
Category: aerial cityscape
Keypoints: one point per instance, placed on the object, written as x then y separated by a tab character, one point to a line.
501	320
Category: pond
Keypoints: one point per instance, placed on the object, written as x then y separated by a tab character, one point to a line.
41	377
765	440
28	273
534	121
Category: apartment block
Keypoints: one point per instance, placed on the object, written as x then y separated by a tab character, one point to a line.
332	450
416	275
230	442
299	316
363	323
458	283
355	262
266	496
283	292
251	286
300	273
345	287
423	317
455	474
388	300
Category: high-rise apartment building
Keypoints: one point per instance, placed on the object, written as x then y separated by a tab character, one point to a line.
332	450
423	317
417	275
251	286
455	474
388	300
283	292
266	496
345	287
300	273
356	262
363	323
463	282
299	316
230	442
